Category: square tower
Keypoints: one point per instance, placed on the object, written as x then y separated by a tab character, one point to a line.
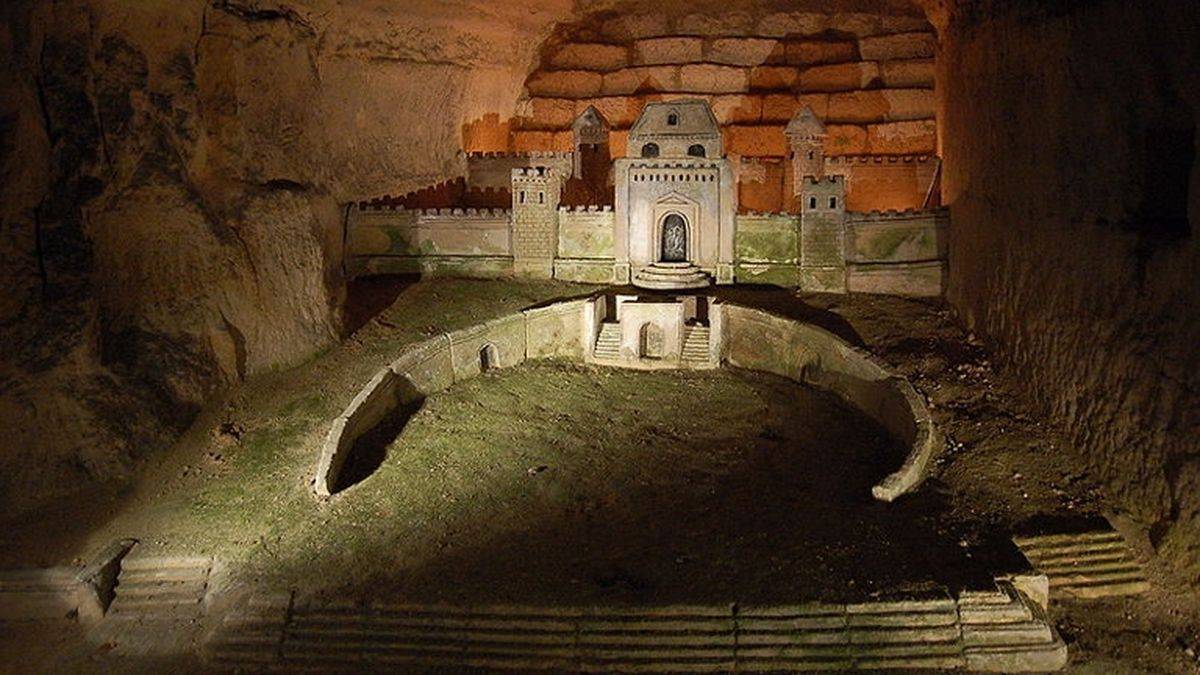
536	192
822	234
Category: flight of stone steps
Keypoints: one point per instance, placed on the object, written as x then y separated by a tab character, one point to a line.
695	345
668	276
161	588
1092	564
34	594
608	343
994	630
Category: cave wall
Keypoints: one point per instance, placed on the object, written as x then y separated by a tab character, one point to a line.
1068	132
173	174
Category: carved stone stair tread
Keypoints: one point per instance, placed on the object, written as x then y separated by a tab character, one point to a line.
150	563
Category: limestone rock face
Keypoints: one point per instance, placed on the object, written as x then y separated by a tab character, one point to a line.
172	180
1069	145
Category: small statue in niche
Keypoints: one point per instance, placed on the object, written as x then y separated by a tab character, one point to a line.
674	239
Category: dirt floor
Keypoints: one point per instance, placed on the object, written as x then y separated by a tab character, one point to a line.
558	482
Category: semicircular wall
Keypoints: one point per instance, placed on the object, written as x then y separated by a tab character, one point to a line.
749	338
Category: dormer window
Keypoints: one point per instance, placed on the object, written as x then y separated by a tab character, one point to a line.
673	119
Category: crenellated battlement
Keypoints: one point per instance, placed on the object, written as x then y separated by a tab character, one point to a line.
860	160
592	208
825	181
531	154
897	214
769	214
533	173
371	207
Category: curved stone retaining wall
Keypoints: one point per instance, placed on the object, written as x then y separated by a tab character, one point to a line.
435	364
750	339
758	340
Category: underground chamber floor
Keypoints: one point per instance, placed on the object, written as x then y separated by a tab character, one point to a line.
557	483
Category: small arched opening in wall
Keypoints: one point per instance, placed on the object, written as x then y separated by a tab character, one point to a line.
650	341
489	358
650	150
696	150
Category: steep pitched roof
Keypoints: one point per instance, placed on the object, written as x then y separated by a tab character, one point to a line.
692	117
805	123
589	119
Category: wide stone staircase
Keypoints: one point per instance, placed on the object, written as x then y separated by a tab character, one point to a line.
608	343
33	594
989	630
160	588
1093	564
668	276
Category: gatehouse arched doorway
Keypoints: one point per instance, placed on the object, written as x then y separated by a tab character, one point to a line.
674	245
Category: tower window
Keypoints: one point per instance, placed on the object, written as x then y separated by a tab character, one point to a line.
672	119
696	151
811	154
542	198
650	150
812	202
521	197
833	202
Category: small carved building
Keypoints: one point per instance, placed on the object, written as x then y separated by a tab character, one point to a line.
675	200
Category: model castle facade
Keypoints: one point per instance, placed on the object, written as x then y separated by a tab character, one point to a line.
665	215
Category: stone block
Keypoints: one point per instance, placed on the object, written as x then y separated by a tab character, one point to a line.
773	78
668	50
903	138
898	46
845	139
782	107
839	77
533	141
910	279
757	141
426	366
549	113
712	79
618	143
907	73
785	24
565	83
557	330
744	51
588	56
635	26
584	271
892	240
815	52
713	25
737	108
647	79
880	105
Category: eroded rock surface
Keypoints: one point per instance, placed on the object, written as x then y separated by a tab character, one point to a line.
172	180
